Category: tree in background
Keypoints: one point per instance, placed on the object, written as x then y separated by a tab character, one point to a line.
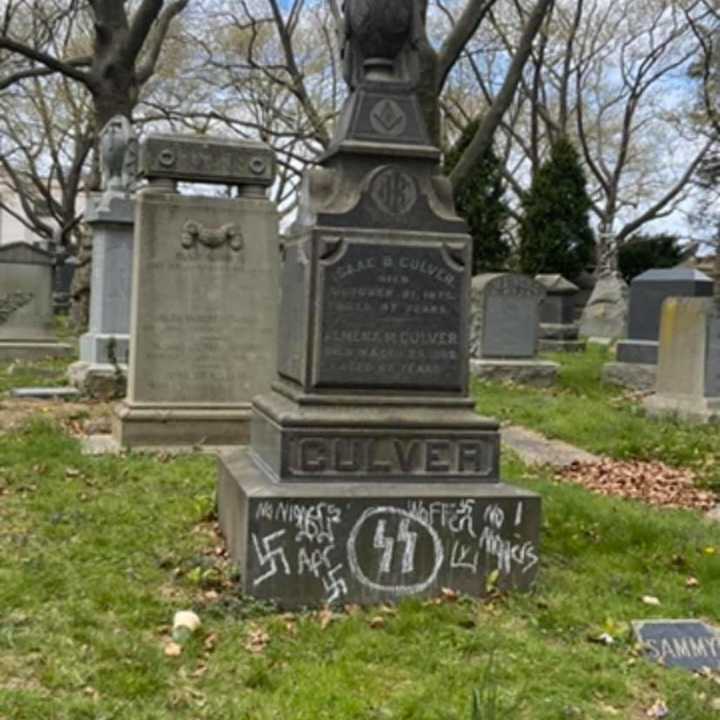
479	201
646	252
555	233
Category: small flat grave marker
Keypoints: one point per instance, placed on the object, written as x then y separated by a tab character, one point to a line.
688	644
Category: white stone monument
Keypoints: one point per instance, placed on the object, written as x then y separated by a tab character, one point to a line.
104	349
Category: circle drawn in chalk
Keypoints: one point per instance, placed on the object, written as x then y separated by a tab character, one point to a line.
257	166
388	118
393	191
167	158
363	579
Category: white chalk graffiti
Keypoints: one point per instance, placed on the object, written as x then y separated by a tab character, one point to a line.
507	552
267	555
335	587
394	550
387	544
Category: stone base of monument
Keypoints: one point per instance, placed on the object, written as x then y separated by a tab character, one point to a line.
562	345
316	543
138	426
33	351
103	349
637	351
98	380
636	376
554	337
540	373
684	407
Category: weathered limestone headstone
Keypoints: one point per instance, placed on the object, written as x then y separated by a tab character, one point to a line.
104	349
688	378
204	299
636	365
558	329
504	327
26	305
369	477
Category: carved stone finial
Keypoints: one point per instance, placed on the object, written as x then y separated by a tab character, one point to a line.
380	38
118	155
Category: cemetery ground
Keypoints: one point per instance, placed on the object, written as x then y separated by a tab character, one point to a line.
97	554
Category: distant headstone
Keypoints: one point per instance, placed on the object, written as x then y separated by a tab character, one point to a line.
110	215
204	298
688	644
605	315
64	271
638	355
558	330
688	376
26	304
504	328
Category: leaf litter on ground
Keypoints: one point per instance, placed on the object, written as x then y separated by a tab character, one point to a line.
654	483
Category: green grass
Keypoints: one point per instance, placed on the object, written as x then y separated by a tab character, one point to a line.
601	419
96	555
46	373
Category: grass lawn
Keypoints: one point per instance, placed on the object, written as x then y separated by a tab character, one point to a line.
584	412
97	554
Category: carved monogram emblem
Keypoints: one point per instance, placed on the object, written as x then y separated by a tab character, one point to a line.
195	233
12	302
388	118
394	191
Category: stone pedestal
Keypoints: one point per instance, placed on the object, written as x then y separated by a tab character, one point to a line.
688	379
204	299
310	543
558	330
647	294
104	349
504	330
369	477
26	305
605	316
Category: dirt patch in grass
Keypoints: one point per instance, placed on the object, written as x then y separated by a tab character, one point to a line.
78	418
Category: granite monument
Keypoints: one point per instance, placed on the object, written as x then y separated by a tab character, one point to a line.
637	356
559	331
27	330
369	477
104	348
203	316
504	328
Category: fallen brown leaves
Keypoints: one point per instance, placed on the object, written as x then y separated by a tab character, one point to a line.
652	482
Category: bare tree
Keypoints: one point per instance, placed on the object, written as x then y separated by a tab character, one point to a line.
125	48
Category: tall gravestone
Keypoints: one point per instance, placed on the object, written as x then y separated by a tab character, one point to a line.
688	379
637	356
205	289
104	348
559	331
26	305
369	476
504	327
